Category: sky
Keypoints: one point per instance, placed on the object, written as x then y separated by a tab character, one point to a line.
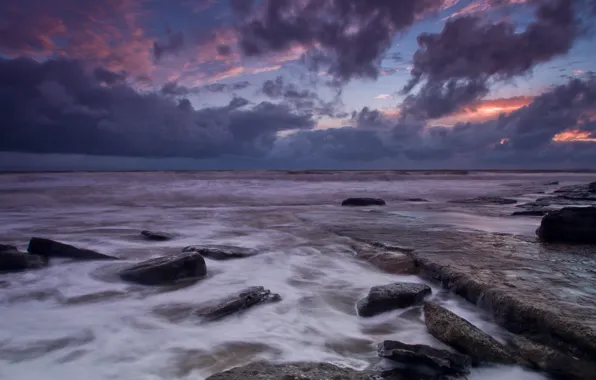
297	84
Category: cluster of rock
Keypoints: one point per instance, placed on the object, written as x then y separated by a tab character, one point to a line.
575	195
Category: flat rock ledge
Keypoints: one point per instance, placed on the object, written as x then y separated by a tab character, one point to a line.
50	248
294	371
166	270
385	298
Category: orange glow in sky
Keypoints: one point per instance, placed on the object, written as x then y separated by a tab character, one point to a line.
573	135
485	110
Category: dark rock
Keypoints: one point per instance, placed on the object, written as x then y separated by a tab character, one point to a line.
442	361
221	252
529	213
15	261
592	187
553	183
294	371
6	247
363	202
569	225
463	336
156	236
50	248
246	299
417	200
486	200
553	361
385	298
166	270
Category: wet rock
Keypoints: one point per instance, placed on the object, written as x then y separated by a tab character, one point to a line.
569	225
50	248
12	260
592	187
552	361
463	336
417	200
442	362
244	300
294	371
553	183
6	247
363	202
221	252
385	298
529	213
156	236
166	270
486	200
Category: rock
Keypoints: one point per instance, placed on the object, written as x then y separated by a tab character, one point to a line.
244	300
221	252
569	225
166	270
463	336
6	247
12	260
385	298
417	200
293	371
50	248
441	361
553	361
553	183
486	200
363	202
529	213
592	187
156	236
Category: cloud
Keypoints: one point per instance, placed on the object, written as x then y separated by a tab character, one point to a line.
173	45
384	96
485	110
59	107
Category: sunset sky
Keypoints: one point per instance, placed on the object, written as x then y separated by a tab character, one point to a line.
286	84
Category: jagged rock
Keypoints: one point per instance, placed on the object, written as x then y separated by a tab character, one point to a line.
12	260
166	270
441	361
553	361
50	248
463	336
221	252
246	299
569	225
486	200
294	371
363	202
385	298
156	235
529	213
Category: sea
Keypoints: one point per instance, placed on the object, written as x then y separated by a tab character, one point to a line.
77	320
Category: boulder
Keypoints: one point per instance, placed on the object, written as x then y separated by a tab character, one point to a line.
442	362
529	213
12	260
49	248
385	298
221	252
464	337
552	361
156	236
363	202
256	295
569	225
166	270
486	200
293	371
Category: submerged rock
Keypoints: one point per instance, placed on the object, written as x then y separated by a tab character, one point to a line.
385	298
12	260
441	361
486	200
166	270
463	336
50	248
363	202
156	235
221	252
553	361
529	213
294	371
417	200
235	304
569	225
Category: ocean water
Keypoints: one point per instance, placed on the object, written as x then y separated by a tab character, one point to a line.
77	320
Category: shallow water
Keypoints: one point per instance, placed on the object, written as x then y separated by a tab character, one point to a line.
76	320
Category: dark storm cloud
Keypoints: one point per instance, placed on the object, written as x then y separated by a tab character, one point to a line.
58	107
225	87
174	44
224	50
109	77
352	35
456	65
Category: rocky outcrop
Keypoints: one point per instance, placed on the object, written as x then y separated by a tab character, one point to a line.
166	270
385	298
442	362
50	248
464	337
569	225
363	202
244	300
221	252
12	260
529	213
156	235
486	200
552	361
295	371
